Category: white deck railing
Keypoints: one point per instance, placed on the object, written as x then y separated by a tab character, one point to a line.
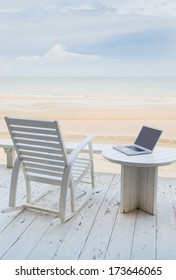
9	149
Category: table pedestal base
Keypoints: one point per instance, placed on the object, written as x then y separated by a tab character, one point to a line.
138	188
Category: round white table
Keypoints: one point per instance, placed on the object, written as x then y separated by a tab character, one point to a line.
139	176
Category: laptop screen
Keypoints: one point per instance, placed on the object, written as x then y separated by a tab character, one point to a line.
148	137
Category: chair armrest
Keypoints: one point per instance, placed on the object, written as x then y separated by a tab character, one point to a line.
79	148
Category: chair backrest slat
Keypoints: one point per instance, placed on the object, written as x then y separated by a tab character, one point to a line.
37	143
44	167
38	149
35	136
44	180
44	172
43	161
41	155
30	123
34	130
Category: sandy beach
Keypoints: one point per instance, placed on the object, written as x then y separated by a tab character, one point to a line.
112	121
109	119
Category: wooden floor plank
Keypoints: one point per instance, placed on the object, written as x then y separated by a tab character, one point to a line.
166	220
144	241
53	238
23	246
48	243
74	241
13	236
98	238
122	237
7	218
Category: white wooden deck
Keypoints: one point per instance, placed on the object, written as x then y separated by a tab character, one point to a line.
99	231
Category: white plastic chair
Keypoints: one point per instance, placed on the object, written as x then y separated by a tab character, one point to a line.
42	155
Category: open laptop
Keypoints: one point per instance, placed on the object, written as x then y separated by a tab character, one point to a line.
144	144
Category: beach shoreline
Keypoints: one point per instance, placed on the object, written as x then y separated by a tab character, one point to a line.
112	121
102	117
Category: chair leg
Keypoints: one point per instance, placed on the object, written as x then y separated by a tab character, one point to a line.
72	194
28	192
63	195
92	164
92	176
13	184
28	187
62	209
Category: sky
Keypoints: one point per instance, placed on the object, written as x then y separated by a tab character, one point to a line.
88	38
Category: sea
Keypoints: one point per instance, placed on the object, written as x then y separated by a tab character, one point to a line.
152	88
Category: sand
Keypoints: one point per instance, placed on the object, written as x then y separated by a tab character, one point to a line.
110	120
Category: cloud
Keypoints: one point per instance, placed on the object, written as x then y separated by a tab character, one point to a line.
55	62
81	7
142	7
59	53
100	36
12	11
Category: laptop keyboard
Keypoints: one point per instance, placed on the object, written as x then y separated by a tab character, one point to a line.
134	148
